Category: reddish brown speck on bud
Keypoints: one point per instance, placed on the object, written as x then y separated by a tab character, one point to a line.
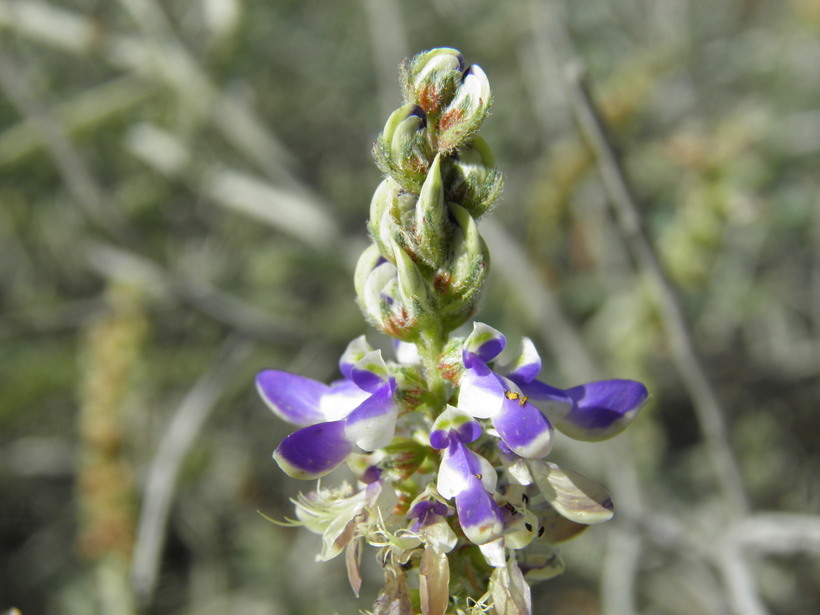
442	282
450	119
429	99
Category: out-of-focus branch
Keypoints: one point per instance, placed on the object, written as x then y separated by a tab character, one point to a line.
630	223
244	319
779	533
292	210
78	178
157	56
545	314
178	438
83	111
389	42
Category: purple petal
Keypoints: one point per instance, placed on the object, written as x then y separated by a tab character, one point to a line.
370	372
373	424
602	409
525	367
481	392
524	429
484	342
458	466
458	423
426	512
479	515
355	350
293	398
341	398
553	402
313	451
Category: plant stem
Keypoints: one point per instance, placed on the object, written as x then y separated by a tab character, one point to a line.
430	348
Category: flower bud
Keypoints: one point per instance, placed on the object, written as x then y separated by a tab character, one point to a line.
460	283
472	179
466	112
412	286
368	261
401	150
380	298
392	212
431	78
431	217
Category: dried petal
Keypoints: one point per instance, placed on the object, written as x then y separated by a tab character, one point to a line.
573	495
353	556
394	599
511	594
434	581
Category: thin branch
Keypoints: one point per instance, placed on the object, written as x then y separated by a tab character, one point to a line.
179	437
292	210
779	533
739	582
87	109
72	167
630	223
544	313
389	42
244	319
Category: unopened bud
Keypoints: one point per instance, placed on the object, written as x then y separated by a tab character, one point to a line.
431	217
466	271
391	217
412	287
368	261
466	112
380	298
470	251
472	179
431	78
401	150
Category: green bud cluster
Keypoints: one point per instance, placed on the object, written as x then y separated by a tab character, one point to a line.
428	263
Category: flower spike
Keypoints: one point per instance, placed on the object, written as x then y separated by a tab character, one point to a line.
448	437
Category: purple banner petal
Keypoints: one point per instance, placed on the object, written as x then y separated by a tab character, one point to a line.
484	342
293	398
525	367
456	422
553	402
313	451
370	372
459	465
426	512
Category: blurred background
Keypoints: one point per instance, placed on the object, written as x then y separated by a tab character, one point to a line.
184	187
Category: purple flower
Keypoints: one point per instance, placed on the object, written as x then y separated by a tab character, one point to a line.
466	476
426	512
357	410
504	394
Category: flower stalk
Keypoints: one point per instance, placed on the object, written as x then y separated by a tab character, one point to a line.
447	442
